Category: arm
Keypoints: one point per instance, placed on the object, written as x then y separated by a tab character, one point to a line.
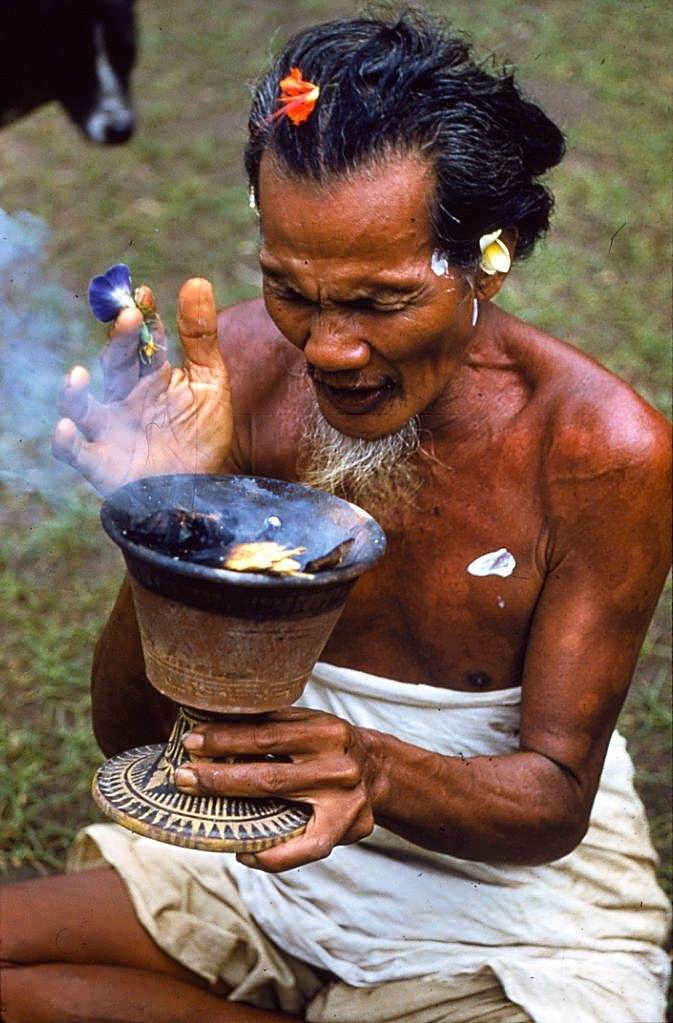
126	710
608	555
168	420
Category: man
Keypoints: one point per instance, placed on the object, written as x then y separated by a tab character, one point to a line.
459	864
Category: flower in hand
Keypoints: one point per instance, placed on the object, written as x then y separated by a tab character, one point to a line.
111	292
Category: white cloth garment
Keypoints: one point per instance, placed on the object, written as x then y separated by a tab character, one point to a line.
578	939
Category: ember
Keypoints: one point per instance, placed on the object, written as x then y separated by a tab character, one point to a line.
204	538
331	559
182	533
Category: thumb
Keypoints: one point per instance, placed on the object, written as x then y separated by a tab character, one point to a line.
197	324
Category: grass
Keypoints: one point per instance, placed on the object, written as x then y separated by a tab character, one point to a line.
174	203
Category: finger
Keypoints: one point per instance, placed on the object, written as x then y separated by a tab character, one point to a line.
277	734
65	441
267	778
197	325
68	446
119	358
323	832
78	404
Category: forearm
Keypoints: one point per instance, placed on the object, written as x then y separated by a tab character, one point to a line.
126	710
517	808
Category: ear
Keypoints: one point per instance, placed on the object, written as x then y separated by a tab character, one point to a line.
488	285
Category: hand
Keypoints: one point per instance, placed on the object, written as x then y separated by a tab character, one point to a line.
167	420
333	768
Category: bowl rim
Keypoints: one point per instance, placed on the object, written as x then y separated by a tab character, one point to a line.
208	573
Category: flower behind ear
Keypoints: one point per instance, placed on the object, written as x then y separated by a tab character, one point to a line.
495	257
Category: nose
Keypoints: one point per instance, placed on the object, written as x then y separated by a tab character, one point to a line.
110	124
118	132
334	344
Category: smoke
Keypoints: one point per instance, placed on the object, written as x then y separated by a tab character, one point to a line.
42	332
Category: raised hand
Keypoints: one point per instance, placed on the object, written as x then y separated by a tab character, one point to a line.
163	420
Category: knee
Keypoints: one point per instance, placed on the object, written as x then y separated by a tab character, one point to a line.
19	944
12	998
14	947
8	927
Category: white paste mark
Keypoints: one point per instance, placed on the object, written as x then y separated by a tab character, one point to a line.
500	602
273	520
475	312
439	264
499	562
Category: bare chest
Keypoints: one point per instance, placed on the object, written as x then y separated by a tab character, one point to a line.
452	601
426	613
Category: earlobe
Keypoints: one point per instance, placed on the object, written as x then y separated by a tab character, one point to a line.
488	287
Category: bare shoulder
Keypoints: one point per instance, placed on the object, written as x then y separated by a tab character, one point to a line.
595	422
260	360
269	390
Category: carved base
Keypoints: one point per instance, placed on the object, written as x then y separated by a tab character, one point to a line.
136	790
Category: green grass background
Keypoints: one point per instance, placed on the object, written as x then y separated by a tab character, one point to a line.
174	203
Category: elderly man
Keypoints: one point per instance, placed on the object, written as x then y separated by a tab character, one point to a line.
476	851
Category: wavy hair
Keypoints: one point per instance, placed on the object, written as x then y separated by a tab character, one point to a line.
404	84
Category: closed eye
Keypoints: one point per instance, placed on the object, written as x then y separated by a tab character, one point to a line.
285	293
369	306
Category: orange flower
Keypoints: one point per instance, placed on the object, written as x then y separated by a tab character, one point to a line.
297	97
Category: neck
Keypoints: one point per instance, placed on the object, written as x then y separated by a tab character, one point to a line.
468	407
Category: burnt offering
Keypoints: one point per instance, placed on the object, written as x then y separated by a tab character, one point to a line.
208	538
219	641
263	556
181	532
331	559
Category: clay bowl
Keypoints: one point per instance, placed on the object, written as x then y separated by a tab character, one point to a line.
230	642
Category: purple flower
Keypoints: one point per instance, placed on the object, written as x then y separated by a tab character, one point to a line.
111	292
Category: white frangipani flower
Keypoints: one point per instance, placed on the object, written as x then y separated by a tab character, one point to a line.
495	257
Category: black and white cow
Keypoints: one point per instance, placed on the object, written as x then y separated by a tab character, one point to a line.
77	52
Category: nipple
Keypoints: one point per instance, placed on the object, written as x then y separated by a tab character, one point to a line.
479	679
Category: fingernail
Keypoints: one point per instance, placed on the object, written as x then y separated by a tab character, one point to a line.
247	859
186	777
193	740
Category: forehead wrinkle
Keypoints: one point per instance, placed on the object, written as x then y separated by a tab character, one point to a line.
393	204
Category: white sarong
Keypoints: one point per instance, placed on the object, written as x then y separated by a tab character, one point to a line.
577	939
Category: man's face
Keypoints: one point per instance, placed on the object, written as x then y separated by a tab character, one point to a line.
348	278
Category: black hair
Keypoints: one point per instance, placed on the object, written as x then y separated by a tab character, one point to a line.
406	83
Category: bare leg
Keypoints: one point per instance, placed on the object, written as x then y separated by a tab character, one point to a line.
58	993
74	951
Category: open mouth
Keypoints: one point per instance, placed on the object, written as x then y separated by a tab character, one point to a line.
355	400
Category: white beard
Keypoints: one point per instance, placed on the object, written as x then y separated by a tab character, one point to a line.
378	474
